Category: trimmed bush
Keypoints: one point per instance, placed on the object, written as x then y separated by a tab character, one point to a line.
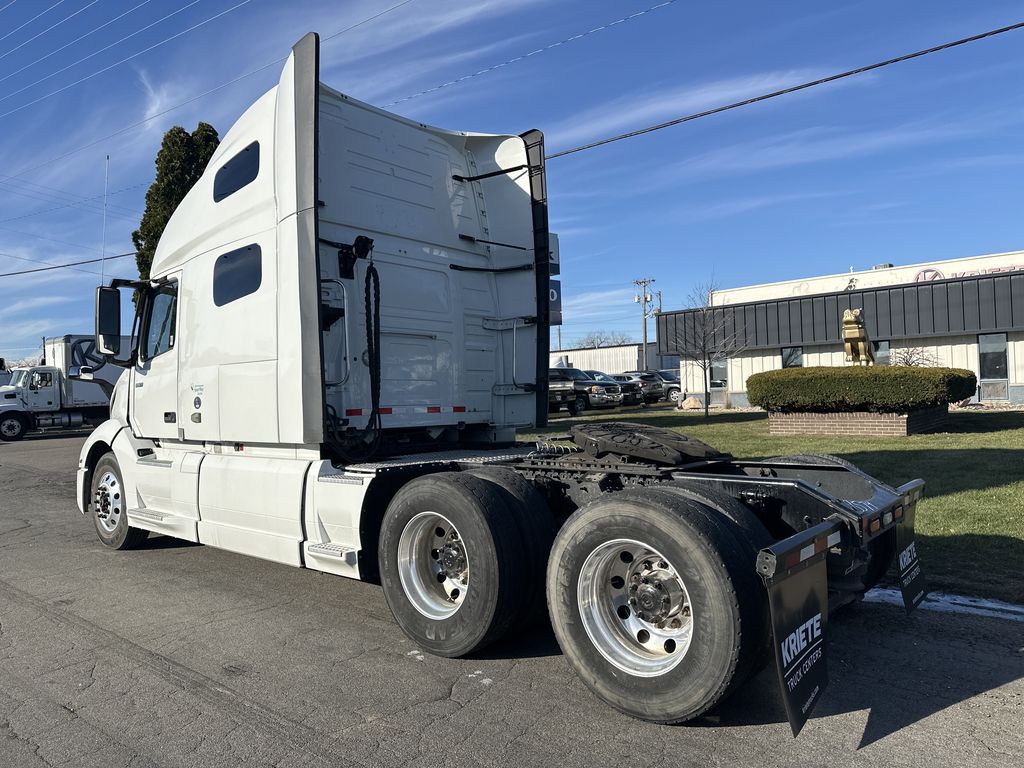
881	389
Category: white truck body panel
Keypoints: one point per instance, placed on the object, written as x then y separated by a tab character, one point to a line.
70	351
220	433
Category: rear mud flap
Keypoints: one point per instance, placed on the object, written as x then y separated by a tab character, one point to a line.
795	575
912	581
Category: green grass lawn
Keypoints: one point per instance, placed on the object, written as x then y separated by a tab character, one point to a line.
970	524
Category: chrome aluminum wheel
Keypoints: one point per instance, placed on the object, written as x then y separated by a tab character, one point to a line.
108	504
635	607
433	565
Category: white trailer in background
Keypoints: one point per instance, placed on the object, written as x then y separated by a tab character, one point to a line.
345	325
50	395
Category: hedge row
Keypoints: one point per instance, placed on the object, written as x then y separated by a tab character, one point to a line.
882	389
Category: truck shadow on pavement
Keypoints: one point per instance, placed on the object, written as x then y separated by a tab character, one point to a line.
899	669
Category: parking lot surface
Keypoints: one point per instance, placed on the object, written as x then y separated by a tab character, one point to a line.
183	655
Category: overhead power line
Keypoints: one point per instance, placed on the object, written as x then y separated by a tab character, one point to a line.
202	95
41	13
122	61
66	266
785	91
52	26
48	263
525	56
107	47
84	203
76	40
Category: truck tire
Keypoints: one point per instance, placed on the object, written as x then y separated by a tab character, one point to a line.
655	603
109	506
578	405
536	529
13	427
452	563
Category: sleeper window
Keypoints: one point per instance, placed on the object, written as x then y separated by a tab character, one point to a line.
240	170
236	274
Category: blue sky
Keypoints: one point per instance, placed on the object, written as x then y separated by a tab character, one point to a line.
916	162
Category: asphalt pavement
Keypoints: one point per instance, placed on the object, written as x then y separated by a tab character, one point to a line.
183	655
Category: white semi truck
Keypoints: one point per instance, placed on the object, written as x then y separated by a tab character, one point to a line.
345	325
51	394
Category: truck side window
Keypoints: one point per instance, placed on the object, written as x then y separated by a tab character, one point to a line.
40	380
159	335
240	170
236	274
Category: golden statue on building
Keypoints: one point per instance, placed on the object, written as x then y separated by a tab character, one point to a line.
859	349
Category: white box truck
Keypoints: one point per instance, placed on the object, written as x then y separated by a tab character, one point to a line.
346	323
50	395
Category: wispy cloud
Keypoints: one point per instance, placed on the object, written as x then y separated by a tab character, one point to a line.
827	143
9	310
596	305
741	205
638	109
159	96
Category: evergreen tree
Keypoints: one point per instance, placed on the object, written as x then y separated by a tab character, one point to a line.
182	158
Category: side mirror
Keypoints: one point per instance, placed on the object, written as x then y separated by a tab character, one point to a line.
108	321
81	372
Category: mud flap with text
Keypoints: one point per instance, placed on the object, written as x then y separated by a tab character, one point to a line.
912	582
795	575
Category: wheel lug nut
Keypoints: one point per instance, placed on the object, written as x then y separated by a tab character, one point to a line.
675	624
632	601
663	565
686	610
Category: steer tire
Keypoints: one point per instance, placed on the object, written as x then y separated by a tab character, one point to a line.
725	595
113	529
578	405
488	536
536	529
13	427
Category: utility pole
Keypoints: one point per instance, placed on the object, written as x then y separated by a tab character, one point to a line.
644	299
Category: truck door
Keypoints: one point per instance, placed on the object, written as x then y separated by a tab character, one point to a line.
42	394
154	407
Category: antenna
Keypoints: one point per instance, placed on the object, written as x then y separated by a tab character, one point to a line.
103	243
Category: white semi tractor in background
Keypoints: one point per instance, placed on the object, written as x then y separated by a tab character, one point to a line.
50	395
345	325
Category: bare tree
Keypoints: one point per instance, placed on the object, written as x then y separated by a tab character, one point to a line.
597	339
707	335
914	357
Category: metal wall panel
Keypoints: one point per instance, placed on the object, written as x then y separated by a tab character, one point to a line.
977	304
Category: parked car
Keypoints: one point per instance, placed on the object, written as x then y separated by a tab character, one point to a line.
632	394
561	391
588	392
672	384
652	385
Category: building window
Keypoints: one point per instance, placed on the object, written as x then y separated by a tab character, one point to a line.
792	357
881	352
992	355
720	373
239	171
236	274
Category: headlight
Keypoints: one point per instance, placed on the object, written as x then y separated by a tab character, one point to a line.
595	389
